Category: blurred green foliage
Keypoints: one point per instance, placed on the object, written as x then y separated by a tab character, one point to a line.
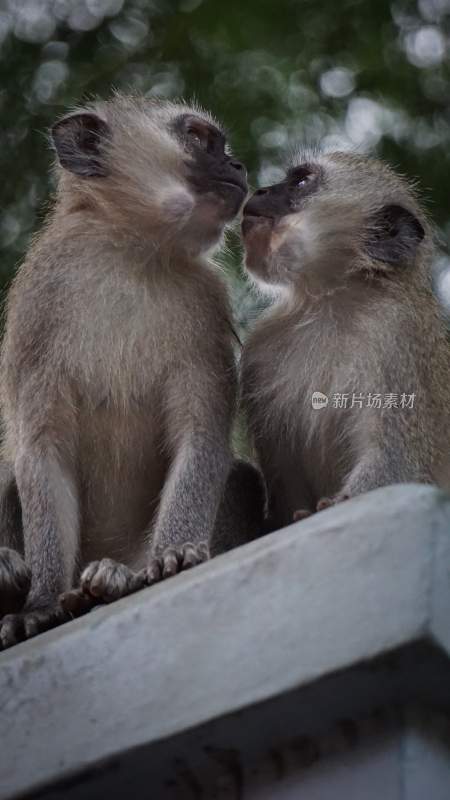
366	74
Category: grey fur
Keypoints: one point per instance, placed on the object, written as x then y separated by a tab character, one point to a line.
354	313
118	370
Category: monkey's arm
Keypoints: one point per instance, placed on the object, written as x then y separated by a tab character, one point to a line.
190	502
48	494
403	453
199	402
240	519
200	408
383	467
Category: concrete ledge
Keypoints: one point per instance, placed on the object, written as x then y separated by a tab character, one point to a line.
348	585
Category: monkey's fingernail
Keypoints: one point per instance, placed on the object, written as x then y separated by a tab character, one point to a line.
203	552
32	627
153	573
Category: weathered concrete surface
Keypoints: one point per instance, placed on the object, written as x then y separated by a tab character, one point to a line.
370	726
348	585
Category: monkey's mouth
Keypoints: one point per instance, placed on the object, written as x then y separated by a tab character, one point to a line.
241	187
213	183
250	221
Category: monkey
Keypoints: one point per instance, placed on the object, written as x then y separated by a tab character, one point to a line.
117	365
240	519
15	577
345	249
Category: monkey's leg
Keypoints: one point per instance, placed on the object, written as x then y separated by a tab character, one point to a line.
187	511
189	506
15	577
102	582
48	496
290	499
240	517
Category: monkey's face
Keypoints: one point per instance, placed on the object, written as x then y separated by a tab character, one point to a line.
331	215
271	223
161	167
216	181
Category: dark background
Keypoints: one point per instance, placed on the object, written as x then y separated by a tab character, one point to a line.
371	75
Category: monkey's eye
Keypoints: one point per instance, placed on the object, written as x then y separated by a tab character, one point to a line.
199	136
300	177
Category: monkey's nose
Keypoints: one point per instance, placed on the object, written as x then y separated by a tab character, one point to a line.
237	165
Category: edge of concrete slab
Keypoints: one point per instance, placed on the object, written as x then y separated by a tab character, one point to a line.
344	586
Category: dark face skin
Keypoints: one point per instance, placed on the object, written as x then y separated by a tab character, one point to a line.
212	170
267	206
80	141
388	235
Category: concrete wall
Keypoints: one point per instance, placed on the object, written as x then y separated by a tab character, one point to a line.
198	687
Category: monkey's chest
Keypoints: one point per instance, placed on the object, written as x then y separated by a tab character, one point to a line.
122	364
123	468
300	424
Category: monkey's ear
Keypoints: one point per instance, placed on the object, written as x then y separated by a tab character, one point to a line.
393	235
79	141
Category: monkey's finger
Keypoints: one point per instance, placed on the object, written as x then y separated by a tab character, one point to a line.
35	623
88	575
153	573
119	581
43	619
203	551
325	502
138	580
109	582
11	630
171	562
76	602
301	513
101	580
194	554
190	556
32	625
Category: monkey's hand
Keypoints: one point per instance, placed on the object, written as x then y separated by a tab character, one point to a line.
327	502
176	559
106	580
34	619
15	580
102	582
